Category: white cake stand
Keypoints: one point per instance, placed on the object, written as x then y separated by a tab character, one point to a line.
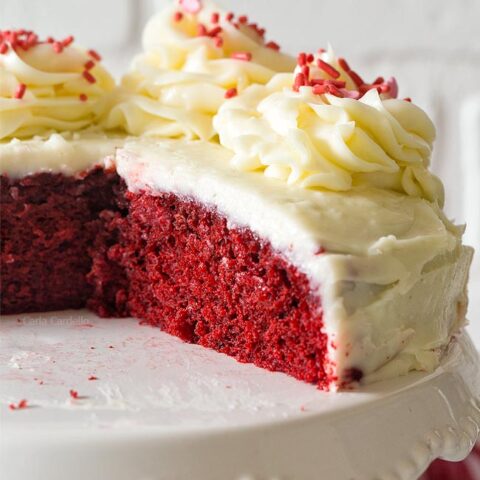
164	410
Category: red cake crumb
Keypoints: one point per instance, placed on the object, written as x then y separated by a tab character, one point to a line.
222	288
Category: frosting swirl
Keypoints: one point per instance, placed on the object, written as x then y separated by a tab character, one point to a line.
193	60
331	138
48	86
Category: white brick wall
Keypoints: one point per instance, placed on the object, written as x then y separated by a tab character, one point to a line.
431	46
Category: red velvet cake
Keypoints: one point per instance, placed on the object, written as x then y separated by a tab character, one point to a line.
280	213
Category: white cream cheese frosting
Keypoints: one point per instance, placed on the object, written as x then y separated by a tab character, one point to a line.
48	86
192	61
330	141
393	275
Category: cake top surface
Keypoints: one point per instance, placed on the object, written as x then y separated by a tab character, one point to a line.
48	85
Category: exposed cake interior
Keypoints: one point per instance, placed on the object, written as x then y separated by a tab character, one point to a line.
49	223
171	262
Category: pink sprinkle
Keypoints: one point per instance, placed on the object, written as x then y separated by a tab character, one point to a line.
218	42
215	18
245	56
231	92
191	6
19	91
392	83
350	93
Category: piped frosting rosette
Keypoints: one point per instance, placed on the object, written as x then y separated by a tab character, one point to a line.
195	57
48	86
323	127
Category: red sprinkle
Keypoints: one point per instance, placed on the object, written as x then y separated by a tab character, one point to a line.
344	65
320	89
83	97
230	16
50	40
74	394
215	18
19	406
88	76
177	16
407	99
243	19
301	59
327	68
202	30
299	81
273	46
57	47
92	377
218	42
231	92
19	91
67	41
357	79
245	56
94	55
215	31
89	65
3	48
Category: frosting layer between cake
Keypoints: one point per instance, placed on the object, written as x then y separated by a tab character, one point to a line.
390	269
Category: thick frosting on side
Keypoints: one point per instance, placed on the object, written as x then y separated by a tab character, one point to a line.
390	269
49	87
320	136
67	153
191	62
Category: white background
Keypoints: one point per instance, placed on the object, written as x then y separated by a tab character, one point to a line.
432	47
